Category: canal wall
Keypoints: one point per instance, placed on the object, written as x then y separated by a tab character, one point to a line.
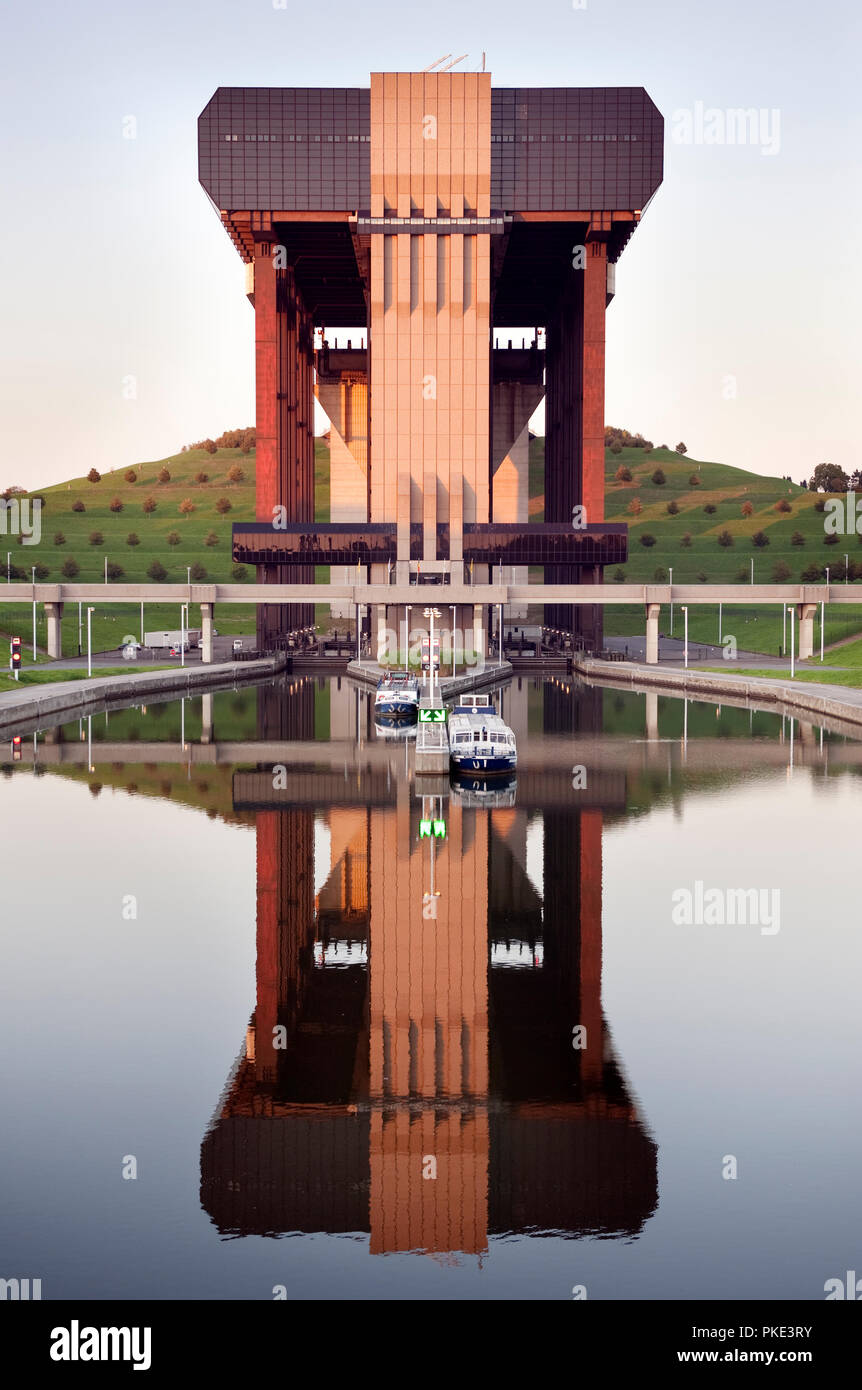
369	673
38	706
827	701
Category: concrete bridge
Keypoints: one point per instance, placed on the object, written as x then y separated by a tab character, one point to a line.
803	597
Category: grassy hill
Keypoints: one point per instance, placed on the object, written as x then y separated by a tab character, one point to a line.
724	488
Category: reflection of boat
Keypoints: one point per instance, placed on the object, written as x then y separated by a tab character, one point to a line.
397	698
400	730
479	740
472	789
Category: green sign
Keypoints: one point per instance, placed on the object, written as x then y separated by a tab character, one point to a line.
432	716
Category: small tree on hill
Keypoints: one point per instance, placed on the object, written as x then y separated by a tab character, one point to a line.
70	569
197	571
239	574
623	474
760	539
59	538
829	477
157	572
210	446
782	505
96	538
616	447
694	480
747	509
223	506
725	539
781	573
709	508
685	541
78	506
212	539
116	504
831	539
94	476
797	538
173	538
148	506
812	573
673	507
201	478
647	539
187	506
114	571
131	476
681	448
635	507
133	538
659	478
163	475
235	474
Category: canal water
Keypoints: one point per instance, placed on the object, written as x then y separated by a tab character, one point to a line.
280	1018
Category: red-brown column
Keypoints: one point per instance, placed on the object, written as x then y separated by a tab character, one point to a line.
595	295
591	945
266	370
266	1012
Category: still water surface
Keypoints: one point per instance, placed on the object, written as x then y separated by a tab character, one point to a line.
426	1124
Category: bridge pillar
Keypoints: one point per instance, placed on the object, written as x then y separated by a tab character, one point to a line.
207	718
805	612
652	715
54	619
206	632
478	631
652	612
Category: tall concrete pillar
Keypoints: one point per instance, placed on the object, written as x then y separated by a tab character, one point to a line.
207	718
207	632
478	631
651	714
652	612
54	618
805	612
382	648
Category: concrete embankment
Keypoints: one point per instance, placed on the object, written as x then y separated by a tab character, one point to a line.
831	702
38	706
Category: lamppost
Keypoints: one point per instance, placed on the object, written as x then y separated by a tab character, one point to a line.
90	612
792	642
822	625
407	608
752	569
453	609
106	569
184	621
846	568
8	566
670	572
685	622
80	627
33	581
431	614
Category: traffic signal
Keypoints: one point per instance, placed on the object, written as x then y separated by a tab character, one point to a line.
16	748
15	648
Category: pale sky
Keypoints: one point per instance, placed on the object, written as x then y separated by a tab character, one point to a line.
735	322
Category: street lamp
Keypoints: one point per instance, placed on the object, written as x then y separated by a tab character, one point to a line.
90	612
752	569
846	568
792	642
407	608
431	614
453	609
184	620
685	621
33	580
670	572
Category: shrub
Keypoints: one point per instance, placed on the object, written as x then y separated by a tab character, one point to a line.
41	571
681	448
70	569
812	573
694	480
702	577
797	538
198	571
709	508
781	573
115	571
202	478
747	509
235	474
157	572
163	475
210	446
616	447
173	538
239	574
59	538
223	505
647	539
149	505
96	538
831	539
635	507
782	505
131	476
760	539
187	506
212	539
725	539
658	477
820	504
623	474
78	506
94	476
116	504
660	575
133	538
685	541
673	508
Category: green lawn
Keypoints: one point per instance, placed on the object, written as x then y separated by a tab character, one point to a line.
49	675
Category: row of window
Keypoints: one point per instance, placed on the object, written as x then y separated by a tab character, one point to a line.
298	139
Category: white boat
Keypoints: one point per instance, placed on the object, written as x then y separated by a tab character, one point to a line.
479	740
397	698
